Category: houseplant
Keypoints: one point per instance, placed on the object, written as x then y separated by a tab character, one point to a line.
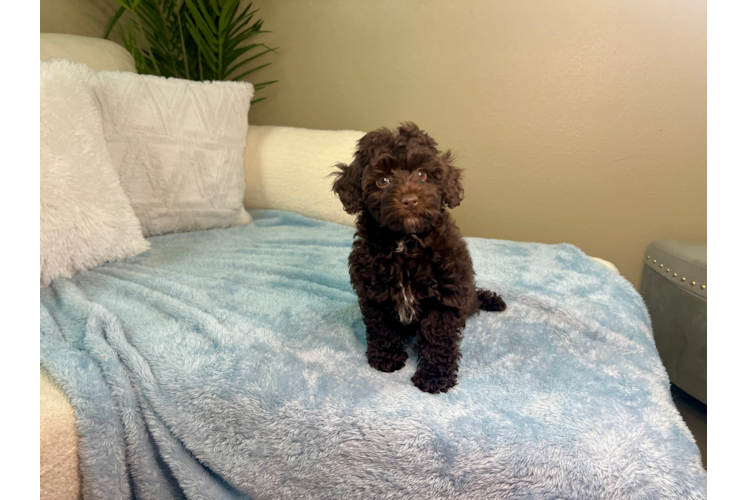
192	39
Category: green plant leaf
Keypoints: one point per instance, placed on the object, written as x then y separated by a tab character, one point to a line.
248	72
159	34
260	86
239	39
234	54
207	53
129	5
245	61
242	17
205	33
227	14
184	49
131	44
199	9
116	17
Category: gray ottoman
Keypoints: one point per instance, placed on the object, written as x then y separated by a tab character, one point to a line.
674	288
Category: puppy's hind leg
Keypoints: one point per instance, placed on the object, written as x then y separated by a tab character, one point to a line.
384	339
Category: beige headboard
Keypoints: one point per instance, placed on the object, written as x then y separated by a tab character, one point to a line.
97	53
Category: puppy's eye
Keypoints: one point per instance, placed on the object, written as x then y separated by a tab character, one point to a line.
383	182
422	176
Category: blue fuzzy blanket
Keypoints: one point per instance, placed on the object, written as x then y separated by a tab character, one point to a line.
231	364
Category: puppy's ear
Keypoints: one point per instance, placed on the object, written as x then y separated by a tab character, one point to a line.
347	186
347	183
451	181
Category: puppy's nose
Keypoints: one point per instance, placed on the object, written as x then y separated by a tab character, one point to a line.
409	200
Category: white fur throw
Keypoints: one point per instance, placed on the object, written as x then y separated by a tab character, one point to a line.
85	217
287	169
177	146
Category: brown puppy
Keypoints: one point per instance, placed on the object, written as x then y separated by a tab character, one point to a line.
409	266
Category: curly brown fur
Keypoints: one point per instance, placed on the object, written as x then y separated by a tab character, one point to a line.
409	265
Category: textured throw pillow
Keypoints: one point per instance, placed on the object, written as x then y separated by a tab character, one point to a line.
177	146
86	218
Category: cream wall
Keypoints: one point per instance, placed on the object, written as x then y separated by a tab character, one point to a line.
577	121
77	17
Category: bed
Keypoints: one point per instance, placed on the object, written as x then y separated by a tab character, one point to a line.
231	363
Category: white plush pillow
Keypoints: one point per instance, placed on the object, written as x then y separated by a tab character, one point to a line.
177	146
86	218
287	169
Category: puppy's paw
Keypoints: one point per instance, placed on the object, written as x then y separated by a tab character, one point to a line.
434	384
387	362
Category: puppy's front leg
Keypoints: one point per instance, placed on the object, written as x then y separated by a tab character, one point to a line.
438	346
385	349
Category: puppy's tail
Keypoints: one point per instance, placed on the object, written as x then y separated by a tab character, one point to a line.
490	301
